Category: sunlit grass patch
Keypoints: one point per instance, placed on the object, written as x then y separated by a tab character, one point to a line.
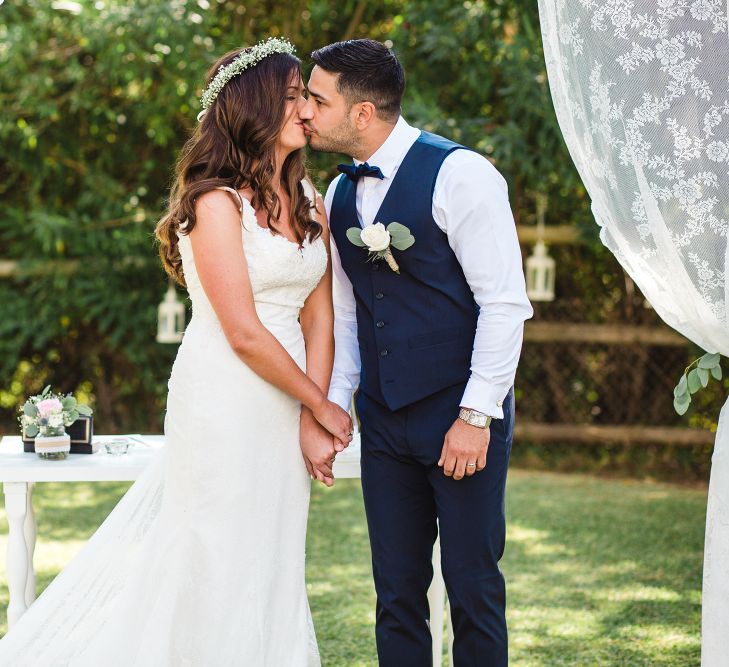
599	572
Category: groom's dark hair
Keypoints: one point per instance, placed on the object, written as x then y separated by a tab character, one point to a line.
368	72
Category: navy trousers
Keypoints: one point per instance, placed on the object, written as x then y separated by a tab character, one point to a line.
405	492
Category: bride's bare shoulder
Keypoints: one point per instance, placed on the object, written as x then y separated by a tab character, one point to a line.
217	205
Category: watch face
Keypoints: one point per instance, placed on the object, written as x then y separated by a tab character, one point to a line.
474	418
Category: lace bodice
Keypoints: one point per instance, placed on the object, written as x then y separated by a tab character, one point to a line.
281	272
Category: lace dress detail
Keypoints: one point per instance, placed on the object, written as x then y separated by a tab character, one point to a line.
201	563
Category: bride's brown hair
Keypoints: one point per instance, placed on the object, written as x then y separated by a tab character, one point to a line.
234	145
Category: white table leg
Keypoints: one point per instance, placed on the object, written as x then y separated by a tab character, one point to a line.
436	600
29	531
16	507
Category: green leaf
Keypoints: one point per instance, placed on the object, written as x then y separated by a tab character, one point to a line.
681	387
84	410
703	376
694	382
30	410
403	244
46	390
68	403
681	403
354	234
683	398
31	430
397	228
398	231
72	416
716	372
708	361
394	238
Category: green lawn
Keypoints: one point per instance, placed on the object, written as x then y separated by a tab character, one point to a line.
599	572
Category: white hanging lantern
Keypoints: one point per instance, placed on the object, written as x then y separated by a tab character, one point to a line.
540	267
540	274
170	317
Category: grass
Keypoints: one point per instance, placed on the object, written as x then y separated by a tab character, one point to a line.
599	572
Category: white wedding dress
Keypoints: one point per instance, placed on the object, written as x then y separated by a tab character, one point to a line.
201	564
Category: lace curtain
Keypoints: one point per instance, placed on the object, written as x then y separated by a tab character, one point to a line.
641	91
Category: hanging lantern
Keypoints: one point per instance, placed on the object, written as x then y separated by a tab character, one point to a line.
540	274
540	267
170	317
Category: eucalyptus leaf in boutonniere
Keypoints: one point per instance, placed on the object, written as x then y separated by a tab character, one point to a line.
379	240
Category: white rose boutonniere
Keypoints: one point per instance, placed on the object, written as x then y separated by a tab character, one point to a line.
378	240
375	237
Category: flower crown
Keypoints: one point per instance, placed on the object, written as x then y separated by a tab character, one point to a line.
243	61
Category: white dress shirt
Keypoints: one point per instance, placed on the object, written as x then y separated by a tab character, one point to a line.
471	205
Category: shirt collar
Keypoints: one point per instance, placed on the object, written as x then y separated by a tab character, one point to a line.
391	153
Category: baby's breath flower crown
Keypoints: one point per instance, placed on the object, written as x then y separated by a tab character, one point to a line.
244	61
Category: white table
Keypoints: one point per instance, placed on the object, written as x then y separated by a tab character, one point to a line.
19	471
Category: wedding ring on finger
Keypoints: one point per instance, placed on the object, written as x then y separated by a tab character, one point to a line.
470	465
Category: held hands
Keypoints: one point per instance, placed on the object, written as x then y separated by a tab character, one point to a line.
336	421
319	445
317	448
464	444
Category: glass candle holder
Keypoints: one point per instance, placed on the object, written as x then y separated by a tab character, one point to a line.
117	446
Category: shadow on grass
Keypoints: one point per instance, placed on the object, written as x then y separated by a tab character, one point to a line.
73	511
599	572
603	572
339	576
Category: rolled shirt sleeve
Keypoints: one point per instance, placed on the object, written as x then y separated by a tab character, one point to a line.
471	205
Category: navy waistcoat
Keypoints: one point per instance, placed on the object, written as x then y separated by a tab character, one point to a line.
416	329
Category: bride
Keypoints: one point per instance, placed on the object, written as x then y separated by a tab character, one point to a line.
201	564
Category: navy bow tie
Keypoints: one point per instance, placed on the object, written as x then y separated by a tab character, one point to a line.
356	172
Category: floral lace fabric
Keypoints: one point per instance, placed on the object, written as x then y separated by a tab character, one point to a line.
641	90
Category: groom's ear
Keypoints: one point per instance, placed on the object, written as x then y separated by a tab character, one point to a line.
364	114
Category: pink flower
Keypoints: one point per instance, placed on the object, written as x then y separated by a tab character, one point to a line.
48	407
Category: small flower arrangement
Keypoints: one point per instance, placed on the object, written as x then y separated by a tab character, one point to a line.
378	240
48	413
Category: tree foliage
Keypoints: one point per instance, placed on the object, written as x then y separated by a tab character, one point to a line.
98	97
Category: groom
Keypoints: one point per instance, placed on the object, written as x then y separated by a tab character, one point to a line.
433	350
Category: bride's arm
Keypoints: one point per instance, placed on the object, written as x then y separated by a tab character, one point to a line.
317	319
317	325
217	246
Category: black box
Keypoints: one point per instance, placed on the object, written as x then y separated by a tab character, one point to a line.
82	437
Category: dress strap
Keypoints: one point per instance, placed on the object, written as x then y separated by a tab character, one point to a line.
241	203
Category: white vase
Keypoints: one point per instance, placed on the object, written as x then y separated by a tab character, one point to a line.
54	447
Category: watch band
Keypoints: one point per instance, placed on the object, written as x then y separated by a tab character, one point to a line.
474	418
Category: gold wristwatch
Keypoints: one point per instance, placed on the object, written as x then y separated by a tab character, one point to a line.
474	418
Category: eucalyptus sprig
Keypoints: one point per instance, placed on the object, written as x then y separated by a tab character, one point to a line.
694	379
